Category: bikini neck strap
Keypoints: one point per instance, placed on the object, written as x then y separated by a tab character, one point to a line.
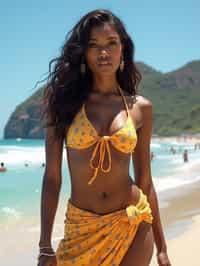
124	99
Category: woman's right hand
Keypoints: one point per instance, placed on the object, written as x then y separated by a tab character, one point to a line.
47	261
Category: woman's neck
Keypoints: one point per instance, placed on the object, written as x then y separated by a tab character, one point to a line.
105	85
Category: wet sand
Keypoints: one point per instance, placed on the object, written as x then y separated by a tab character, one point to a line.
181	221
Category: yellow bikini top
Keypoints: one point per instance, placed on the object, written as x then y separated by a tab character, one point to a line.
81	134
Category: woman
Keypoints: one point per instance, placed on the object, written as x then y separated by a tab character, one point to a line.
92	105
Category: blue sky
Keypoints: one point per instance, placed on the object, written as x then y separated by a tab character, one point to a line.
166	35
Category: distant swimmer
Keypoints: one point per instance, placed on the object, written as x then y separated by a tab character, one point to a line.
26	164
2	167
43	165
172	150
152	156
196	146
185	156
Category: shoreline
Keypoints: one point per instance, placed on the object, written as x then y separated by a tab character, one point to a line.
179	204
189	139
181	223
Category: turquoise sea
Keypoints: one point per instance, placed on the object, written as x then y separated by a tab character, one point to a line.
20	185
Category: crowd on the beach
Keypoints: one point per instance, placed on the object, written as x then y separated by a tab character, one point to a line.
173	151
3	168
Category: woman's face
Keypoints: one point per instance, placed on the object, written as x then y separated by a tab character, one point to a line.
103	54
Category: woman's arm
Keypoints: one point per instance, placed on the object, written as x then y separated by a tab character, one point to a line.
51	185
142	170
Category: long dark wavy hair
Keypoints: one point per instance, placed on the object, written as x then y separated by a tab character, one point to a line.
67	88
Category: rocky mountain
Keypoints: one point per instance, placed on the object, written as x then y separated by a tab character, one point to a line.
175	96
25	121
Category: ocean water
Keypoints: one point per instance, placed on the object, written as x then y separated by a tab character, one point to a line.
20	185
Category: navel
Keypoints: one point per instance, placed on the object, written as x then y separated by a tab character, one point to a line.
104	195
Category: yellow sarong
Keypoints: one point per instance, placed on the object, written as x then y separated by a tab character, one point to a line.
92	239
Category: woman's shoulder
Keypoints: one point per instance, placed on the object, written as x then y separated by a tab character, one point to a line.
143	102
142	107
138	99
145	108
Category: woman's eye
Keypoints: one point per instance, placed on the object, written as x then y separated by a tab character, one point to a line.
113	43
110	45
91	45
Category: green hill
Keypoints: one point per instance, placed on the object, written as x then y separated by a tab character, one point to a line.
176	100
175	96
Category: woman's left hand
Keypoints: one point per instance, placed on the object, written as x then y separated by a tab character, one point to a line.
163	259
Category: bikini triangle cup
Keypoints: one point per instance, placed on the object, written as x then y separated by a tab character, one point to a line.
82	134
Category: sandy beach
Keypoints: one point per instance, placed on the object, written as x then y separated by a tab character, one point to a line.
181	221
179	208
180	218
184	249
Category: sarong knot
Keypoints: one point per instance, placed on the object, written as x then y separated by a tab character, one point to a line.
134	214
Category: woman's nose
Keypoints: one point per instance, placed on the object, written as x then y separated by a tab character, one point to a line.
102	50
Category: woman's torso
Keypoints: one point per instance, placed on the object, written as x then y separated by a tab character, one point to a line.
113	190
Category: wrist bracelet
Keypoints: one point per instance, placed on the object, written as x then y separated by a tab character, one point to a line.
46	254
46	247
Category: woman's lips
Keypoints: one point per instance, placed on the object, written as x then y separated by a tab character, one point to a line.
104	63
